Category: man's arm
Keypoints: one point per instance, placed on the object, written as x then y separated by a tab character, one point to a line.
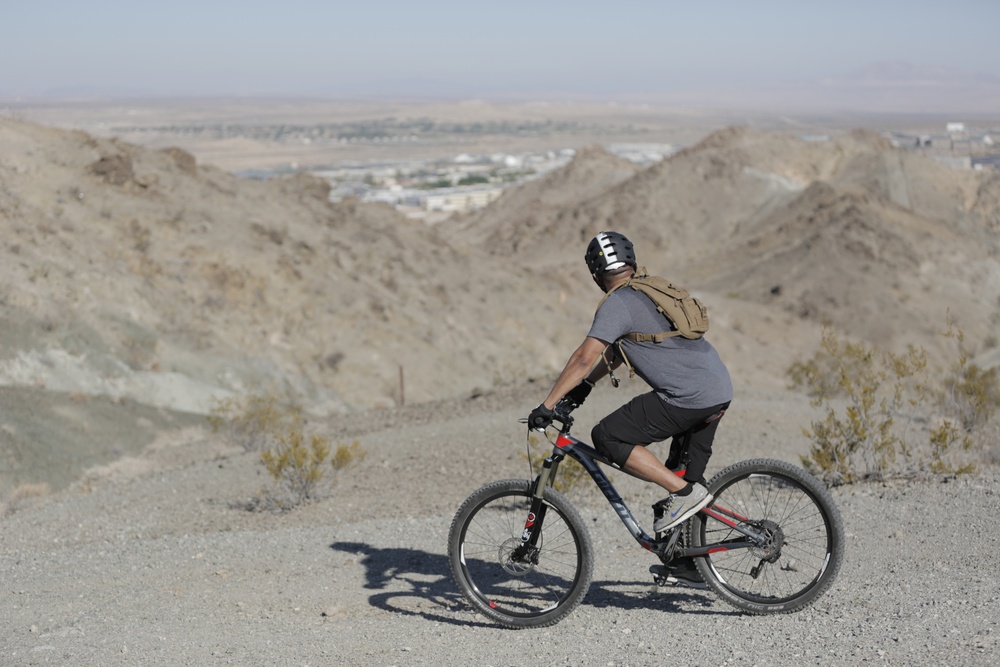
582	364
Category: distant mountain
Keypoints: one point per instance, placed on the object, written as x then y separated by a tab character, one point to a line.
137	287
897	73
884	87
884	243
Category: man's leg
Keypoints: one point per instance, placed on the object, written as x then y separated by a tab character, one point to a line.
700	444
624	434
644	465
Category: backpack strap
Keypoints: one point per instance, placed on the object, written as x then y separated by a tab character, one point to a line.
638	337
631	371
615	289
655	338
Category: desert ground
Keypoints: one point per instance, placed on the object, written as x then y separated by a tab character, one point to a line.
153	561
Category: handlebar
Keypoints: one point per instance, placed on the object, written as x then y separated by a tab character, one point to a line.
562	412
563	409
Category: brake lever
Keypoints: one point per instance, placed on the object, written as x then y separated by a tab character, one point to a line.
562	410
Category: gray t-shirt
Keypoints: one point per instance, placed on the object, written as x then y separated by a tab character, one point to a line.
685	373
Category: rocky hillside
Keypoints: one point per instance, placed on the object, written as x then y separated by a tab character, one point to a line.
140	278
137	286
140	273
526	220
883	243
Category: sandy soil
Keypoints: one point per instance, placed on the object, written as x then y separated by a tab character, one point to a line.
152	561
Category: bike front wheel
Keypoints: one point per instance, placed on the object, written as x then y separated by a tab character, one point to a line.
804	537
490	568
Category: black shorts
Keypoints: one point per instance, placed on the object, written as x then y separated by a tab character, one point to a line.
646	419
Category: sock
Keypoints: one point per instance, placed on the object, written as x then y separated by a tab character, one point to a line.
686	491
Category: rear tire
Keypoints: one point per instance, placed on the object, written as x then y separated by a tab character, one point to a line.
483	535
792	506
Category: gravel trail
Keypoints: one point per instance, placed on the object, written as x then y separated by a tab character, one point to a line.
160	567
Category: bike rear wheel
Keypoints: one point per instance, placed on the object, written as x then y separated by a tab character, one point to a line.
518	592
805	548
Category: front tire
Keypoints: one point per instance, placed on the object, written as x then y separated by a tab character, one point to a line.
517	594
805	548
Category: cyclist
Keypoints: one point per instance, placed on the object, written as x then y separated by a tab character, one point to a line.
691	386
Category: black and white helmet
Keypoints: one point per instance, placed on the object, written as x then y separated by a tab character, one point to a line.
609	251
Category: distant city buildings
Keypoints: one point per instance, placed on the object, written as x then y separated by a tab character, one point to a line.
960	146
433	190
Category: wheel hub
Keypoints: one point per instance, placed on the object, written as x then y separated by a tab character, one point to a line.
773	539
513	558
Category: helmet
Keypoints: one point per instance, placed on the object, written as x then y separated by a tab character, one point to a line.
609	251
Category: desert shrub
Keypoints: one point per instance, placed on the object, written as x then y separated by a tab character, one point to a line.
970	395
253	422
880	419
346	456
298	465
821	377
302	464
945	440
570	473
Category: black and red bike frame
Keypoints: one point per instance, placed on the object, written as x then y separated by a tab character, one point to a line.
667	547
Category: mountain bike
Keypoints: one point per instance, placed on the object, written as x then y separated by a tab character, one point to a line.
771	541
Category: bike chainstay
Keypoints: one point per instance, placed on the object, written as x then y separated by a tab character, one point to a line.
741	524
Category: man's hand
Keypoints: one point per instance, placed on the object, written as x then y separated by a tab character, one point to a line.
540	418
578	394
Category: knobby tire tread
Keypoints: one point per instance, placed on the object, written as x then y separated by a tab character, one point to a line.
824	501
569	514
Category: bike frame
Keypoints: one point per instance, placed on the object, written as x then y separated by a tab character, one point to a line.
666	548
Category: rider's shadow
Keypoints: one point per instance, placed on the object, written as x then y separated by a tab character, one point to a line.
411	582
419	583
646	595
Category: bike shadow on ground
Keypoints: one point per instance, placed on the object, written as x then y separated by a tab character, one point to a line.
419	583
412	582
645	595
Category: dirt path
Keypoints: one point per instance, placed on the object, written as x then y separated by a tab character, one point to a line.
154	565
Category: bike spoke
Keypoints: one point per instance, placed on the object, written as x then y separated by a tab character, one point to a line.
773	503
519	588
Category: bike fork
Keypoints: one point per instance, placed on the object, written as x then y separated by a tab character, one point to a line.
528	550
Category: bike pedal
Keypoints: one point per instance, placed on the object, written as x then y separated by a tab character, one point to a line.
664	577
661	576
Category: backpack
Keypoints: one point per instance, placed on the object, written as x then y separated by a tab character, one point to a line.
688	315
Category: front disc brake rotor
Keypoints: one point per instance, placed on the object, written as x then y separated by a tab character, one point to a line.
515	566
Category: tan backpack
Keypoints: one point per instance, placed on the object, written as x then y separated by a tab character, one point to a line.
686	312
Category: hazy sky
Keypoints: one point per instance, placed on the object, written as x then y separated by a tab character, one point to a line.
472	48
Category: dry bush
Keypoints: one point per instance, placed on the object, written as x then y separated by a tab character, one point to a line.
298	466
880	414
295	460
570	474
346	456
253	422
970	395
